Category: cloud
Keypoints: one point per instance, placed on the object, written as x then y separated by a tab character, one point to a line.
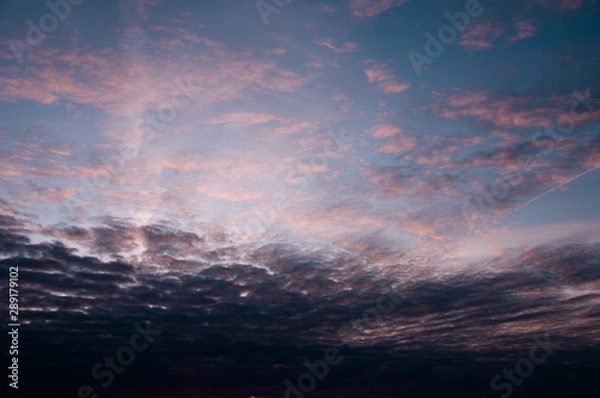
103	84
397	145
250	233
563	4
296	302
384	130
480	36
242	119
525	29
330	43
371	8
502	112
494	243
383	76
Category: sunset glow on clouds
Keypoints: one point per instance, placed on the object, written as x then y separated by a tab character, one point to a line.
252	187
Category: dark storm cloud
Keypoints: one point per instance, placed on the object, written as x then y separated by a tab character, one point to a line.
8	221
11	243
113	238
264	316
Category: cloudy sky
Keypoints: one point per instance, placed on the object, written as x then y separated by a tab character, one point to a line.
259	180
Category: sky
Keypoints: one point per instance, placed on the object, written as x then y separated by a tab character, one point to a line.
400	195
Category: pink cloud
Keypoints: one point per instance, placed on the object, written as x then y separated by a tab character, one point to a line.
384	130
393	87
461	98
525	29
346	102
480	37
503	113
242	118
104	82
371	8
381	74
397	144
330	43
52	194
293	127
562	4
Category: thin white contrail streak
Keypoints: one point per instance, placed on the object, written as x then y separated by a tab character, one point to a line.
547	192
